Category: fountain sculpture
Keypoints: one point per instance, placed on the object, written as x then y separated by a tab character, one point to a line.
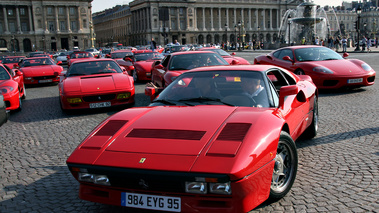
306	21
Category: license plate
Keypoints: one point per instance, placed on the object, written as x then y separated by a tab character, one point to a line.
154	202
356	80
99	105
45	81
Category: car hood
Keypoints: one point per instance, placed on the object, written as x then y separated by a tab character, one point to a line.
179	139
44	70
342	67
145	65
96	83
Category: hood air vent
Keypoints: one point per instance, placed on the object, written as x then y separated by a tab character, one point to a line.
234	132
166	134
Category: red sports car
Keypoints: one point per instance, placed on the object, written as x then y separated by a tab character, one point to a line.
40	70
143	63
326	67
230	58
209	143
12	87
10	61
125	59
95	84
174	64
77	56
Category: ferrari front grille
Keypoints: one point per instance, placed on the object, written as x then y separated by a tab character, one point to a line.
45	77
96	98
330	83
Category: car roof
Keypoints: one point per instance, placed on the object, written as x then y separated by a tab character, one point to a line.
192	52
93	59
250	67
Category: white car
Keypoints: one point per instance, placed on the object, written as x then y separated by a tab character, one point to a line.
94	51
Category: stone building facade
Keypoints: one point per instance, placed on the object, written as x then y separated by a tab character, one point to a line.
49	25
202	21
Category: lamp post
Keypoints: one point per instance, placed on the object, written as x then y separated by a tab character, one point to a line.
13	45
226	37
289	31
239	36
43	42
259	37
91	32
235	36
359	11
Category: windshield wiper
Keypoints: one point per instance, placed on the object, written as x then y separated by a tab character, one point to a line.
205	99
76	74
327	59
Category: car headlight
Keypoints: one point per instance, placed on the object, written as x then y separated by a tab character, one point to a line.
94	178
74	100
28	78
322	70
6	89
366	67
196	187
220	188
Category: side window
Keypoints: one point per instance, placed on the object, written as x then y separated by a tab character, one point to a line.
165	60
286	52
277	79
289	78
274	95
277	54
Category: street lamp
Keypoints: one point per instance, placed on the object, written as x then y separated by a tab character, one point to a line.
359	11
13	45
226	37
289	31
235	36
239	36
91	32
43	42
259	37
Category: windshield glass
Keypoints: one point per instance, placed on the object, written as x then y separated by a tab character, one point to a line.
93	67
11	60
4	75
316	54
219	51
121	54
81	55
36	62
190	61
147	56
232	88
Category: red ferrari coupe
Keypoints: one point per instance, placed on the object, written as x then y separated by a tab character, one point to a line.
174	64
143	61
230	58
217	139
326	67
125	59
12	87
95	84
40	70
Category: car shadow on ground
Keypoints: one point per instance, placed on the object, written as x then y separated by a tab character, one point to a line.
342	91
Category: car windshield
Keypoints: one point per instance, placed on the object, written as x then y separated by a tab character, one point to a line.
4	75
147	56
36	62
190	61
93	67
63	54
231	88
12	60
219	51
81	55
316	54
178	48
121	54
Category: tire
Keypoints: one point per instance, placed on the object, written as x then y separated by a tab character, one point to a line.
299	72
135	76
20	103
285	167
24	95
311	131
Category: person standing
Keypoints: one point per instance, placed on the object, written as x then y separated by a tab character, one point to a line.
317	41
369	44
364	42
344	44
176	42
153	44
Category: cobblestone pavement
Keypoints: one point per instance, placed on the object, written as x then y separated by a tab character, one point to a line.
338	170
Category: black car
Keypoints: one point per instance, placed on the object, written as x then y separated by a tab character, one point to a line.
4	114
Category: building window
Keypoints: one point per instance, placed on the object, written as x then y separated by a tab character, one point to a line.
173	26
181	11
62	25
10	12
12	27
172	11
51	26
190	23
61	11
1	27
155	23
24	26
39	24
72	10
50	11
22	11
182	24
73	25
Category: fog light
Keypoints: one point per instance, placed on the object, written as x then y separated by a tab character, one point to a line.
220	188
74	100
123	95
196	187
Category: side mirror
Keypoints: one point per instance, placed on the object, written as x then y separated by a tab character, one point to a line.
18	73
233	53
286	91
107	56
345	54
68	57
59	63
287	58
16	66
234	62
159	66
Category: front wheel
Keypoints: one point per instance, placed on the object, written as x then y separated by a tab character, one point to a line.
285	167
311	131
300	72
135	76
